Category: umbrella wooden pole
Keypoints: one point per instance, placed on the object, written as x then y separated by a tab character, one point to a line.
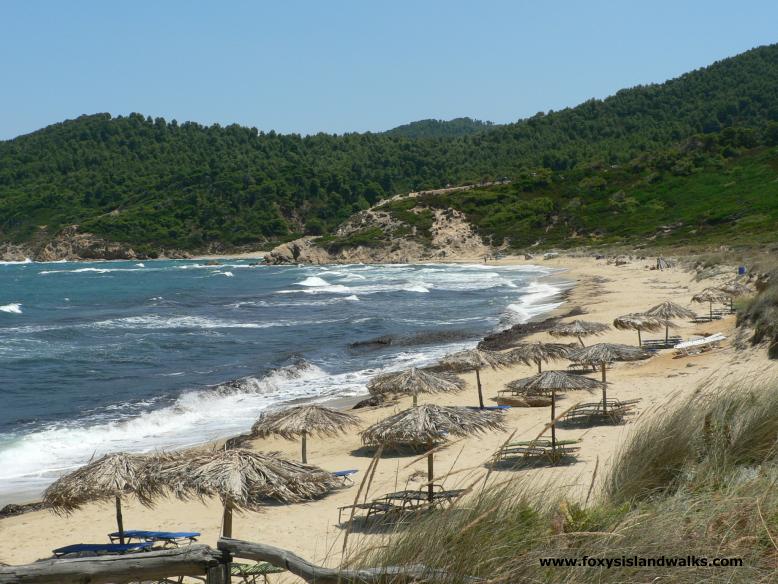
553	423
119	519
415	398
305	447
227	522
539	371
667	334
580	340
640	342
430	474
710	307
480	392
604	391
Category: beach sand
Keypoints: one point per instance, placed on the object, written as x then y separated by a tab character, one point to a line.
603	290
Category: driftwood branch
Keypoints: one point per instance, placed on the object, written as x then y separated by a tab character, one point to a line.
193	560
199	560
320	575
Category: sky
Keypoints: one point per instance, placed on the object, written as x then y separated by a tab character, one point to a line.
350	66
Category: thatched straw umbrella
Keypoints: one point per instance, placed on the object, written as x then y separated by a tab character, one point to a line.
603	353
244	480
667	311
302	421
475	360
537	353
733	290
639	322
710	295
426	424
414	381
578	329
107	478
553	381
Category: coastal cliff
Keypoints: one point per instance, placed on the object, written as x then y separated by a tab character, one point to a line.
72	244
377	236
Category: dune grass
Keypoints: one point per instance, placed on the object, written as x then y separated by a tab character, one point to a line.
697	481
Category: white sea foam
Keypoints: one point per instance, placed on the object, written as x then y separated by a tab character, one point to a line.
13	308
16	263
314	281
535	301
228	274
141	265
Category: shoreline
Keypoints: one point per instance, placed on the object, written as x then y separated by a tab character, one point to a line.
555	277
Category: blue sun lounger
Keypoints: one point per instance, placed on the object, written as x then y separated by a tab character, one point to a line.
166	537
500	408
102	548
345	475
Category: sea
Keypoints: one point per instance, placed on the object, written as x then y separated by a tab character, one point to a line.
102	357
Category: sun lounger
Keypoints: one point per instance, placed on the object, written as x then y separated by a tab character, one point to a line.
250	573
412	499
345	475
168	538
695	346
593	413
650	344
95	549
541	450
372	508
494	408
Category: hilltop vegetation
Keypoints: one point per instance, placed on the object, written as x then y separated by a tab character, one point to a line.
441	128
154	182
711	189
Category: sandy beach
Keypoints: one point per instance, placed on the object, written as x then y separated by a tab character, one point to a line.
602	290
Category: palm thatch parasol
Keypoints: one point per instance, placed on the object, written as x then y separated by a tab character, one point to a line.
734	289
578	329
303	421
414	381
553	381
537	353
710	295
603	353
426	424
639	322
242	479
109	477
475	359
667	311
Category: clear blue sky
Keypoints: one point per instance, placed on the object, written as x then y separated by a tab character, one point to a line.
337	66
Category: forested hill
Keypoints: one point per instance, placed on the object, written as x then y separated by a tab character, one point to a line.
441	128
161	183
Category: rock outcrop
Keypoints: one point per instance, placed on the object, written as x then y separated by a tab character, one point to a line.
72	244
450	237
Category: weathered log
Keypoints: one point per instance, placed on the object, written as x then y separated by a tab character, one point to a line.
309	572
194	560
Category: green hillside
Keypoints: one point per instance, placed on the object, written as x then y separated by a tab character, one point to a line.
707	192
161	183
441	128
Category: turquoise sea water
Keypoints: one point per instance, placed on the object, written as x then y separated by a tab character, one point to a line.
107	356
